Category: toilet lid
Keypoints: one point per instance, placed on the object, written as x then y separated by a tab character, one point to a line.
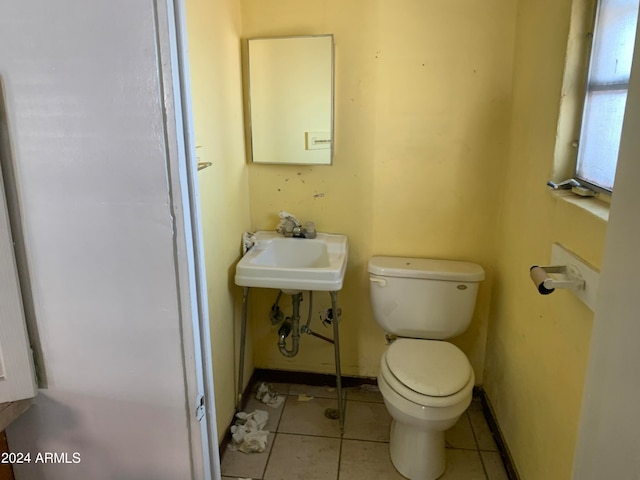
429	367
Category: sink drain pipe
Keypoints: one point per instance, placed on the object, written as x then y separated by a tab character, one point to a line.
288	327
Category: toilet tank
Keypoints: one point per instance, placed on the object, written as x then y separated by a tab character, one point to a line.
423	298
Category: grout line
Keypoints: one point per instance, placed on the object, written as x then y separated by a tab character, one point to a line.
484	467
266	464
284	406
473	430
275	436
462	448
318	436
475	438
314	436
339	458
363	440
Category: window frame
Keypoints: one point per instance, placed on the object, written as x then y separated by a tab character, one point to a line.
590	87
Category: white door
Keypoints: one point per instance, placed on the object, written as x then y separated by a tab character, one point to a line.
608	442
97	142
16	369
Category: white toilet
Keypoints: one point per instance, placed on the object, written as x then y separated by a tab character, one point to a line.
426	382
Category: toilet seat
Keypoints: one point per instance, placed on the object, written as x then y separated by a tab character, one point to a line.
427	372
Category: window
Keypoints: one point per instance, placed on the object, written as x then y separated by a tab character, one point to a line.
606	92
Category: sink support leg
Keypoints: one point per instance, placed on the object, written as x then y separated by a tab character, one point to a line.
336	348
243	335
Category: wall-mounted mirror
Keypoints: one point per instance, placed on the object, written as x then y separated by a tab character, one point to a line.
290	99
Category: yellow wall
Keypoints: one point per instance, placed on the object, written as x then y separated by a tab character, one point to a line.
446	119
421	108
216	83
538	346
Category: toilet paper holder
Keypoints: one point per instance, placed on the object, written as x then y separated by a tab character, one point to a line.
570	272
568	276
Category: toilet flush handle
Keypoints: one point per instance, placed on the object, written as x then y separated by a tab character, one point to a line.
380	281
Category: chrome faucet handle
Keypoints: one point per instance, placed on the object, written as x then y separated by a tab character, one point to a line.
288	227
310	230
294	220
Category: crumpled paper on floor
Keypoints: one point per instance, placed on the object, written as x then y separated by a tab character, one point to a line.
267	395
247	435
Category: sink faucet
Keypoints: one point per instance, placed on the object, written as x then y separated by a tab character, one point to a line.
290	226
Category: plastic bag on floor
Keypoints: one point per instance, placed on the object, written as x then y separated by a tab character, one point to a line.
247	435
267	395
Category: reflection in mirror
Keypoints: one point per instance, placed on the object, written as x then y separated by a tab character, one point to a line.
290	99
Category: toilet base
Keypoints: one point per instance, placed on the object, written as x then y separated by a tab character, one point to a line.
416	453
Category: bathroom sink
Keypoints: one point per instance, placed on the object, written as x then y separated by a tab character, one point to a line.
275	261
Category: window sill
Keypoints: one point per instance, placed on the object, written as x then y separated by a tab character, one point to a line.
592	205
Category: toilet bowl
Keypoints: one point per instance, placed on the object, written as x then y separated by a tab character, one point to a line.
426	382
419	420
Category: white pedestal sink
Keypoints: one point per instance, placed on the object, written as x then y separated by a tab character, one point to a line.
294	263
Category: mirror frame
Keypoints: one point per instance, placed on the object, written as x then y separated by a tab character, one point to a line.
250	133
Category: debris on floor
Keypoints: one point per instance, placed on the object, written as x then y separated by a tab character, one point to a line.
304	398
267	395
366	387
247	435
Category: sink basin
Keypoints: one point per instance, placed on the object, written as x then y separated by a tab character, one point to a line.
294	263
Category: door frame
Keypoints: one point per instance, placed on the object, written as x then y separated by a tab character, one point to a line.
189	247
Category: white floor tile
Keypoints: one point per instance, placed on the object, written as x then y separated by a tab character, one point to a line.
461	435
361	460
481	428
463	465
308	418
494	466
307	445
314	391
367	421
365	393
299	457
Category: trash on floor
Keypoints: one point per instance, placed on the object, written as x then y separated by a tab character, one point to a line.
247	435
304	398
366	387
267	395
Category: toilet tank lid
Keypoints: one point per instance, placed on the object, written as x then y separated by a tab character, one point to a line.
428	268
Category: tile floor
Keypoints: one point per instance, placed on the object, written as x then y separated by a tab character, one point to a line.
305	445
